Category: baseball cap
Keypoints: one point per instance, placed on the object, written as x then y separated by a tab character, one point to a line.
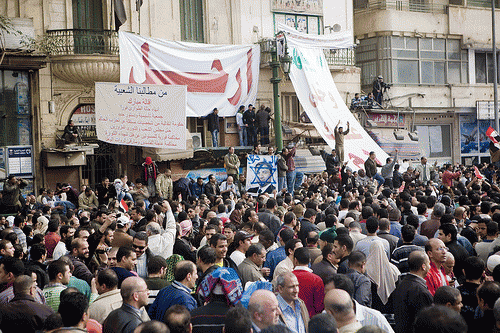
122	221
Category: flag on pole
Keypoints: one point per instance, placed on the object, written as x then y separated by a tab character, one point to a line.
120	14
493	135
477	173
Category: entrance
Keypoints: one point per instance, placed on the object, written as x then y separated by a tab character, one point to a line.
103	163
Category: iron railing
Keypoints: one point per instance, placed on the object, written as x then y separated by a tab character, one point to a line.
340	57
402	5
82	41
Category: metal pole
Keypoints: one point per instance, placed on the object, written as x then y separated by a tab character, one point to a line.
495	67
275	64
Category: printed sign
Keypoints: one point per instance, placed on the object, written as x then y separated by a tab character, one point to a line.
141	115
262	174
20	161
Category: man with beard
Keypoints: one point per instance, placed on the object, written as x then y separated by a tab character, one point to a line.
79	253
67	233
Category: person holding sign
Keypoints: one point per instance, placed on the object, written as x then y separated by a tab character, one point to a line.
339	140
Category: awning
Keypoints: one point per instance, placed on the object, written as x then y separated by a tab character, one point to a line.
407	148
159	154
306	130
308	163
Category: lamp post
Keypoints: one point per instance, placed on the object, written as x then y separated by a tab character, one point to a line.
284	61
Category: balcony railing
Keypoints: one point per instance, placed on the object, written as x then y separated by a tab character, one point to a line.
340	57
402	5
82	41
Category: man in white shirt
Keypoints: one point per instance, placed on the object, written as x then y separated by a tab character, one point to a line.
244	240
60	250
161	242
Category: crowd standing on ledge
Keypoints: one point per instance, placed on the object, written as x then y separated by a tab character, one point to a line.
363	251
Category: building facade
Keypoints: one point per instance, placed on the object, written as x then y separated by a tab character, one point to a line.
46	85
438	56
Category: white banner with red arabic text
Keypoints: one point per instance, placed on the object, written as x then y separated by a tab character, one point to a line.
323	104
216	76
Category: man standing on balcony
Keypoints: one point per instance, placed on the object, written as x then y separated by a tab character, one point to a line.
249	121
213	126
378	86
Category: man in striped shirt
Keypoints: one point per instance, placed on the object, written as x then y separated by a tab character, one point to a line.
59	275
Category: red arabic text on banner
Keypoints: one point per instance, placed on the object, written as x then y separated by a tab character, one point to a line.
216	76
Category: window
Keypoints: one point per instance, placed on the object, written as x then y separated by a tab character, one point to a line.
291	107
435	141
15	108
411	60
484	67
192	20
303	23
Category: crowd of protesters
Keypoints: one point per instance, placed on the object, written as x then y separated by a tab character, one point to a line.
349	251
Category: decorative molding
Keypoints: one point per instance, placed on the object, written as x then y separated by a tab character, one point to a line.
86	69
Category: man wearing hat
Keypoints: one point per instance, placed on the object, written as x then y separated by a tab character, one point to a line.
121	237
243	240
378	85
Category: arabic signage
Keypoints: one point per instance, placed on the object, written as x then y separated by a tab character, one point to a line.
387	120
216	76
141	115
20	161
314	7
323	104
84	119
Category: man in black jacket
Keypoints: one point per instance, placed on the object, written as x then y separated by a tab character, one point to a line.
125	319
213	126
249	120
23	313
412	295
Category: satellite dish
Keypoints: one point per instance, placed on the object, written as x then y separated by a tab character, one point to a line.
336	27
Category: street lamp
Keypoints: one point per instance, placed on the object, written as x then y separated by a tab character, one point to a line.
285	61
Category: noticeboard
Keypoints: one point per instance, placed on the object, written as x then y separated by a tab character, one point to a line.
20	161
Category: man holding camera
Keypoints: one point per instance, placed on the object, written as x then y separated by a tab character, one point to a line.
378	86
11	194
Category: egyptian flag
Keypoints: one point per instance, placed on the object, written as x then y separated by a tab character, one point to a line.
495	140
120	14
493	135
477	173
123	205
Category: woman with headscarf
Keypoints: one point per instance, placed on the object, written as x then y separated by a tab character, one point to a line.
42	224
383	275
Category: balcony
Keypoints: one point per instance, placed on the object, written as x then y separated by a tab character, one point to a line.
334	58
400	5
84	56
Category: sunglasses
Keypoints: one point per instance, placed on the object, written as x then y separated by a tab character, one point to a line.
138	247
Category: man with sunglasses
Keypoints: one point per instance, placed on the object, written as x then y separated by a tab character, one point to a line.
140	246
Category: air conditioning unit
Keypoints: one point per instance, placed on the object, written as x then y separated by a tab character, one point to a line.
197	140
23	29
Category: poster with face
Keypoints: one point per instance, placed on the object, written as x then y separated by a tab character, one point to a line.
262	174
